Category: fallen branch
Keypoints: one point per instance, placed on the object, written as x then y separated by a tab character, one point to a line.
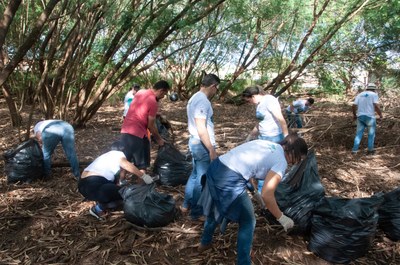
166	229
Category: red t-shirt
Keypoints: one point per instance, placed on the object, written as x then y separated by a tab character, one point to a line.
143	105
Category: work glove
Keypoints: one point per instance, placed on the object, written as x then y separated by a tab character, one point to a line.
147	179
249	138
286	222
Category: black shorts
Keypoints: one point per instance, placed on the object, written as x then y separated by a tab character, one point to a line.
136	150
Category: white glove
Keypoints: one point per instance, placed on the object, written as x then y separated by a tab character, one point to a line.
147	179
249	138
286	222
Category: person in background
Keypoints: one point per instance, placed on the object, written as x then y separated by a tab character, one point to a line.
140	117
98	180
364	107
271	124
225	197
129	97
293	111
50	133
201	142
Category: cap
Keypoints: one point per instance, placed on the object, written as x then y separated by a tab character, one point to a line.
371	86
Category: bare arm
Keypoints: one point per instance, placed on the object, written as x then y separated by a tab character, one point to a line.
151	125
354	109
38	136
253	133
268	193
378	110
131	168
205	137
277	113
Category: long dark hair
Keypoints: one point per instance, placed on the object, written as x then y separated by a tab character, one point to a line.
294	146
251	91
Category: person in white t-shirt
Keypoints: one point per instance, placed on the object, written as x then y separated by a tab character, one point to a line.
129	97
98	180
271	124
294	110
201	142
224	195
52	132
364	107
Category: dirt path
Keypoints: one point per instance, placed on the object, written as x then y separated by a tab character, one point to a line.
48	223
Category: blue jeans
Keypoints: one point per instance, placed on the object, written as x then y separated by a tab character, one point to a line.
55	132
247	224
294	118
362	123
275	139
200	161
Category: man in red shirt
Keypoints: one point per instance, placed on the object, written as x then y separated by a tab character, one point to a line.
140	117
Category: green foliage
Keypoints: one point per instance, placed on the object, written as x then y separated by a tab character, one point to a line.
330	85
143	41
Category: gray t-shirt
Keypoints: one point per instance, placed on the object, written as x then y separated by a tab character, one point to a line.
41	125
255	159
200	107
365	103
107	165
268	125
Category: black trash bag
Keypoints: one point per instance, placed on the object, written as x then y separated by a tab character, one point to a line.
164	128
24	163
389	215
298	195
343	229
144	206
172	166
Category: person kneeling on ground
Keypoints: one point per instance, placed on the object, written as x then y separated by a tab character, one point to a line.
224	195
98	181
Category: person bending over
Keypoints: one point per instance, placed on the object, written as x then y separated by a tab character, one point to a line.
225	191
99	182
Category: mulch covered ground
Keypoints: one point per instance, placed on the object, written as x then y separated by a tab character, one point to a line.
47	222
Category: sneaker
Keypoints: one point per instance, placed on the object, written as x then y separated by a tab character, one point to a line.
200	218
183	209
97	215
370	153
203	248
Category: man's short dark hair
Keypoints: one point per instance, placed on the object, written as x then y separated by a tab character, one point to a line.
209	80
136	87
162	84
311	100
